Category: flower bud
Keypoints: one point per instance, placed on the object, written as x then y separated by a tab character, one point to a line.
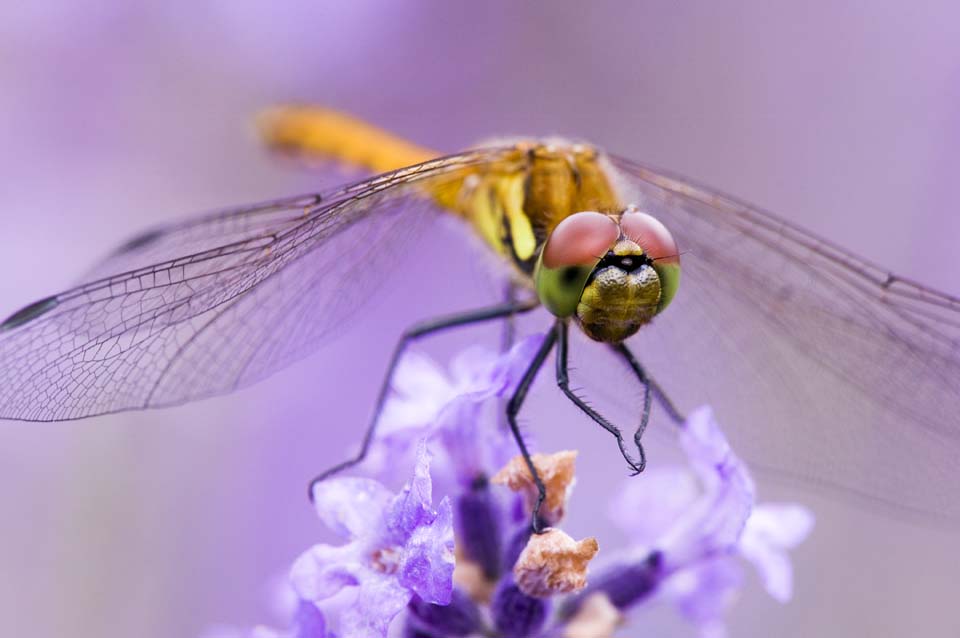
515	546
624	585
515	614
478	523
460	618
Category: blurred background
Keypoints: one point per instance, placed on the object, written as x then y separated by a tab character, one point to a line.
844	117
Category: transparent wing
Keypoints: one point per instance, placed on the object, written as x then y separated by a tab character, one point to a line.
209	305
827	369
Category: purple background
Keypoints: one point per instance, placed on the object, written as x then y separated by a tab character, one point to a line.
114	116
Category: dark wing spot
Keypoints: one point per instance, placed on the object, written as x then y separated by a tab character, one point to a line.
139	241
29	313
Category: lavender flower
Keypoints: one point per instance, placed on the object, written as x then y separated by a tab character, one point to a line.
517	614
692	528
398	546
307	622
691	524
453	410
461	617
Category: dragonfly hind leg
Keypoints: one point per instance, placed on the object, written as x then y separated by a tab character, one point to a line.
563	381
411	335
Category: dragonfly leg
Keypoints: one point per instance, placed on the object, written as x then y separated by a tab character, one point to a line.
646	382
563	380
508	335
650	386
513	408
412	334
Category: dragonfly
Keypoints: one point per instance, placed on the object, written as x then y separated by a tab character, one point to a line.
832	371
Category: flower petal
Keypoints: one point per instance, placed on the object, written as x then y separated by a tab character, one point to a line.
418	377
420	390
351	507
323	570
705	591
465	436
770	530
378	601
473	370
308	621
428	560
645	509
515	364
775	570
781	524
704	441
412	506
716	520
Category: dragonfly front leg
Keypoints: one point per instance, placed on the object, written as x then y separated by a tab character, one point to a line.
412	334
513	408
650	387
507	338
645	381
563	380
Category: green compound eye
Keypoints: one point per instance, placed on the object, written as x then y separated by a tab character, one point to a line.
572	251
669	273
559	289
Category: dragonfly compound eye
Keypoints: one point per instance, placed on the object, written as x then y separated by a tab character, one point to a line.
568	258
660	249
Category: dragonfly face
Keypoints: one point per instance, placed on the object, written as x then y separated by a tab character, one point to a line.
613	272
553	210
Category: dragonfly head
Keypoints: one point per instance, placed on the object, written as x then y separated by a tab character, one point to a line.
613	272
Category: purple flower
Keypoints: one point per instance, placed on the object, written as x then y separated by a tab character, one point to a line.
460	618
696	521
307	622
452	408
713	522
515	614
397	546
704	591
772	529
692	527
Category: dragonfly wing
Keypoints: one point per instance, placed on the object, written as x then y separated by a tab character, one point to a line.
200	308
207	232
827	369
